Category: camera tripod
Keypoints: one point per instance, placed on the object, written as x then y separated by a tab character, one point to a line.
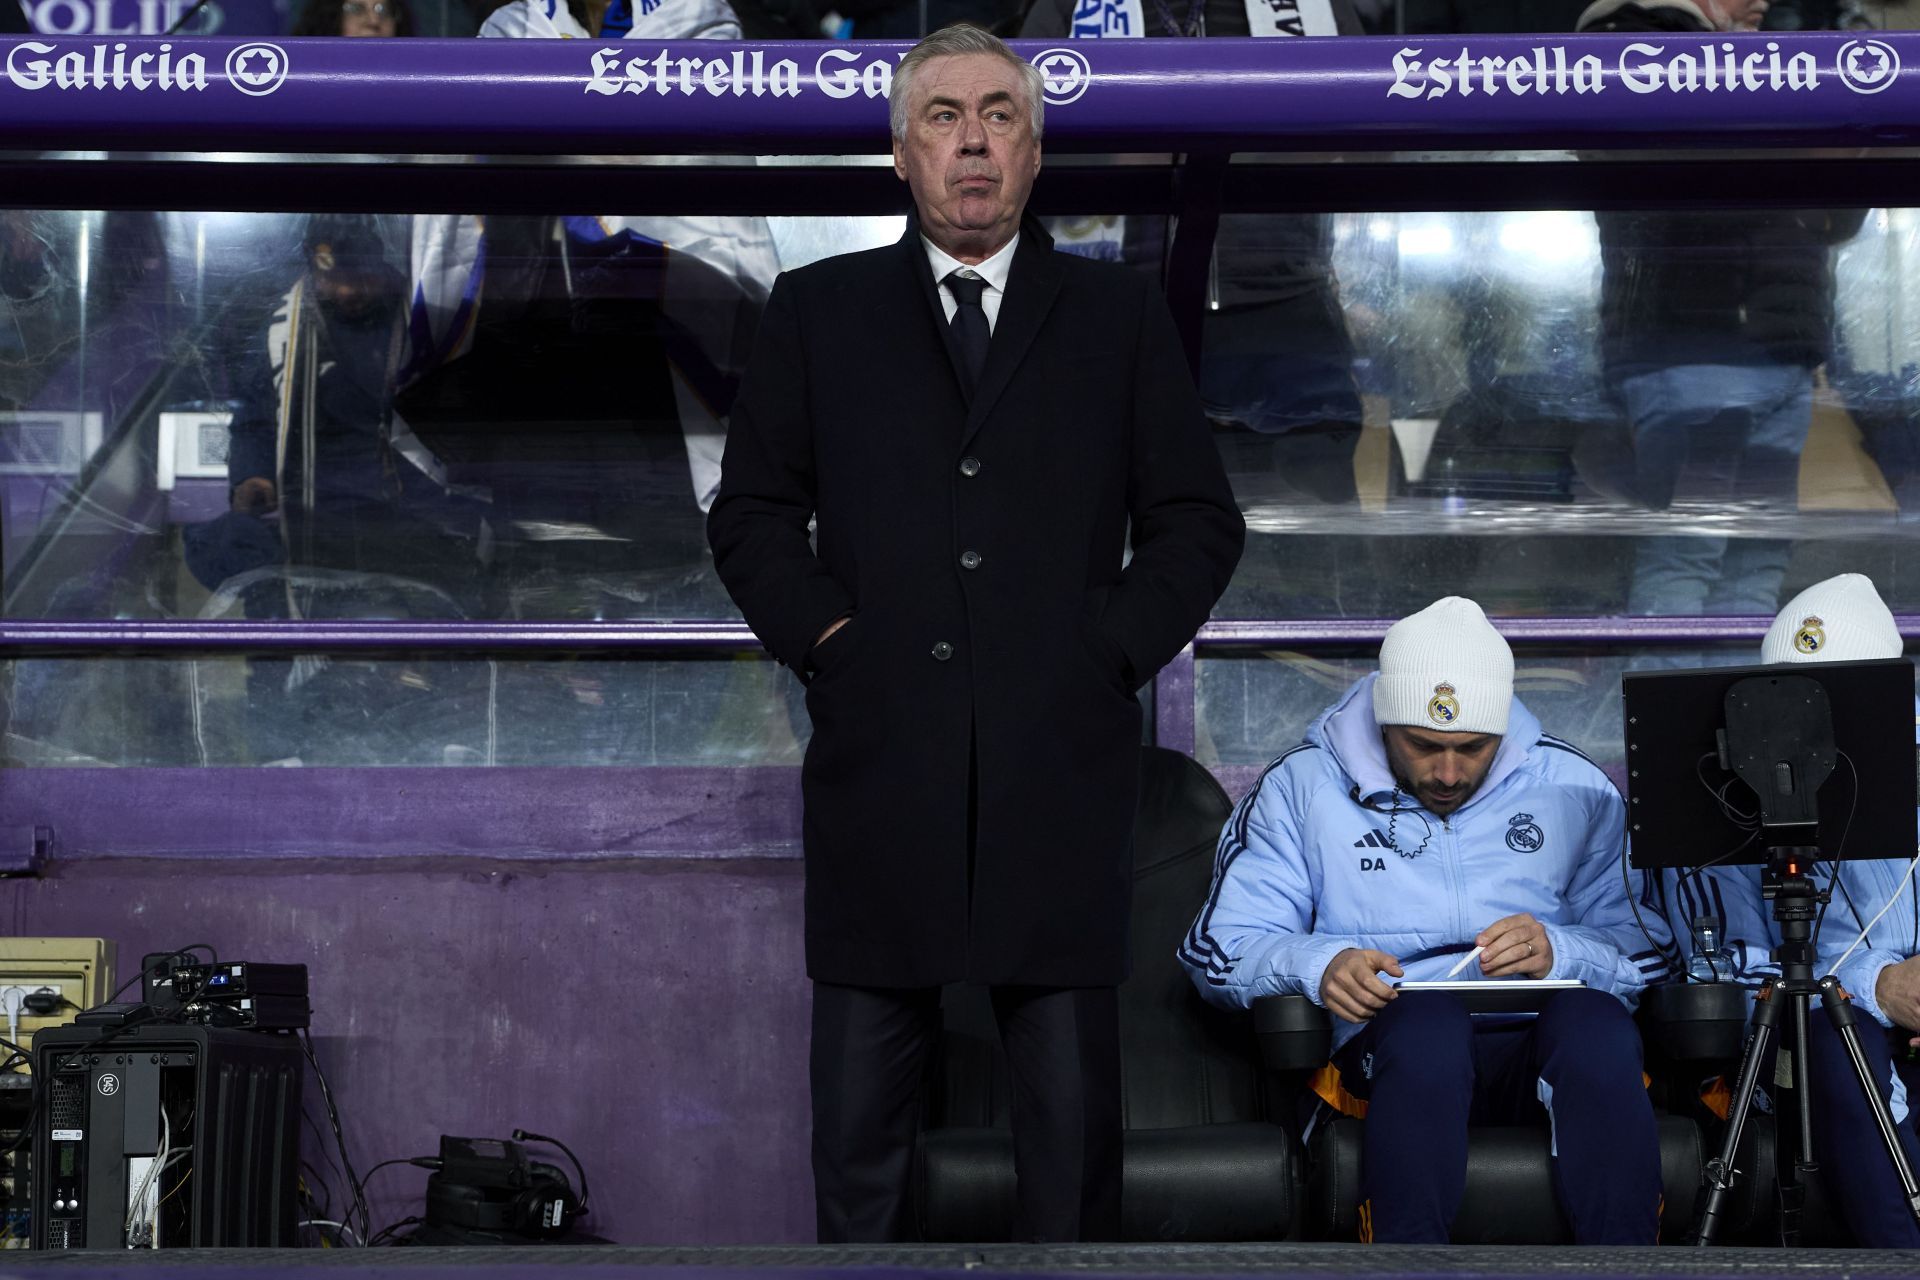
1789	999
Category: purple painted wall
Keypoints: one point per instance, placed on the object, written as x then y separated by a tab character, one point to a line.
651	1013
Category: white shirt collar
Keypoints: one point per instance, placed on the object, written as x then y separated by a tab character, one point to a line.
994	270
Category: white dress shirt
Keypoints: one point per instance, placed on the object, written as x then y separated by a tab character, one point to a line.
994	271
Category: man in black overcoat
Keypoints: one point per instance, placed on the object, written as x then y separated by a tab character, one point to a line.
979	428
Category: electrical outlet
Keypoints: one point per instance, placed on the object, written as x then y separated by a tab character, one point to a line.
79	969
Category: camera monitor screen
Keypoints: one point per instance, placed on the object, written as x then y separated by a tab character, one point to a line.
1692	775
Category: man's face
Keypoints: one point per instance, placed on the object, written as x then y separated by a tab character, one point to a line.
1735	15
368	18
969	154
352	289
1440	770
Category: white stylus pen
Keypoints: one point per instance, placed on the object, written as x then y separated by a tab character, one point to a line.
1466	960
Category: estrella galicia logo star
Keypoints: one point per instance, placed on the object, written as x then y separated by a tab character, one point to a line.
256	69
1064	75
1867	66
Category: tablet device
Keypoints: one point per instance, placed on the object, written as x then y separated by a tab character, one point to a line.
1499	995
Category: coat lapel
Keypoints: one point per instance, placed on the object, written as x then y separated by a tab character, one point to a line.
1031	288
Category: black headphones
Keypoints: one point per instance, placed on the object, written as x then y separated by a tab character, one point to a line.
545	1208
487	1184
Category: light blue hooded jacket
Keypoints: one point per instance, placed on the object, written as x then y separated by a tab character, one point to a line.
1321	855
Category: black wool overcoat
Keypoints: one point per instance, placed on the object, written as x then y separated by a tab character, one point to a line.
970	786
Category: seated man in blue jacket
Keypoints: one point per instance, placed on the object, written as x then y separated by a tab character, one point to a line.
1426	815
1841	619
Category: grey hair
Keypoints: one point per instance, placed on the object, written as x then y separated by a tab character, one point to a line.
955	41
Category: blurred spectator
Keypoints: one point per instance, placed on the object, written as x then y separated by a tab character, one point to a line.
1276	364
543	19
613	20
911	19
353	18
708	276
1469	17
1711	327
315	437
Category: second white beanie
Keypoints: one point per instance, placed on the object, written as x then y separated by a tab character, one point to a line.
1840	620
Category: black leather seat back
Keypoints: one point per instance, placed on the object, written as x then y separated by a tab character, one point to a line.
1185	1062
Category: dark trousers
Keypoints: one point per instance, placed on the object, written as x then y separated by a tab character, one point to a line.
872	1049
1859	1178
1427	1073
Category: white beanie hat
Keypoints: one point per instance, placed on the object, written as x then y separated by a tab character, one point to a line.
1840	620
1445	668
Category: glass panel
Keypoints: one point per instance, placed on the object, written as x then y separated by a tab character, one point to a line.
422	710
521	417
1656	413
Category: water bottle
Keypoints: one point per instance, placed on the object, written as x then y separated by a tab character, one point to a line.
1711	961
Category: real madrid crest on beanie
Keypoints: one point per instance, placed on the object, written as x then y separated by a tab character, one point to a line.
1445	668
1840	620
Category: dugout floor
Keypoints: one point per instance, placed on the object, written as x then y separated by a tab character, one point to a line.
943	1262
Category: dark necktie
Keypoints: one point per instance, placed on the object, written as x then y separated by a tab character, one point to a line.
969	324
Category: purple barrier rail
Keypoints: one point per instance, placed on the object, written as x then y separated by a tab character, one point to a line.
1833	89
60	636
24	637
349	814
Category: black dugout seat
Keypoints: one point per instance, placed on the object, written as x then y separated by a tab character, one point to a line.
1202	1159
1509	1195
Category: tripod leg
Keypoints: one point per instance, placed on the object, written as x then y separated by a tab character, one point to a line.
1794	1175
1846	1021
1720	1172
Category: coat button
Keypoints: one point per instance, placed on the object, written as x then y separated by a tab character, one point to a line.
969	466
969	559
942	651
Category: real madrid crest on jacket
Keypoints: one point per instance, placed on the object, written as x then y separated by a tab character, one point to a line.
1328	852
